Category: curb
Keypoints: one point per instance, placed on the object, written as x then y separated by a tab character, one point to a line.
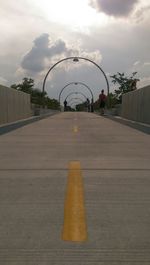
18	124
145	128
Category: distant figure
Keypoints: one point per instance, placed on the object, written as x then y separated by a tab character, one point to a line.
92	105
65	105
88	104
102	102
133	84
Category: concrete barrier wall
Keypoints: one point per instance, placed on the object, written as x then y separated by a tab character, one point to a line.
136	105
14	105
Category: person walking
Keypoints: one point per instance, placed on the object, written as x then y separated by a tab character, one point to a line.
102	102
88	104
92	105
65	105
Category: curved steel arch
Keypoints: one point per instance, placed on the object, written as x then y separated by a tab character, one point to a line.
76	98
75	59
76	83
76	94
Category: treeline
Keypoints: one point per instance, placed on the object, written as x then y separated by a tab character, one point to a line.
123	83
27	85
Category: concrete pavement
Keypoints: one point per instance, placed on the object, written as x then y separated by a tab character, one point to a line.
115	162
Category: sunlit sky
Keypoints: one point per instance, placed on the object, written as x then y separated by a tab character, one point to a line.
35	34
75	14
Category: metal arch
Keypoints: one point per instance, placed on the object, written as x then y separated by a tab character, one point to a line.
75	58
76	94
76	98
75	83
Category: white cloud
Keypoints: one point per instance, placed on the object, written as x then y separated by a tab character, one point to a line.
147	64
3	81
142	13
117	45
136	63
143	82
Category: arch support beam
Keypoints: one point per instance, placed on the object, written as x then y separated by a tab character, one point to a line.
81	100
75	59
72	93
76	83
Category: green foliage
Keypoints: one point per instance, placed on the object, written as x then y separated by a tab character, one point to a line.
96	105
26	85
37	96
112	99
126	84
52	103
81	106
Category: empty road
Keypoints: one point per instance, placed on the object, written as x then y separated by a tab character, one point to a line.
75	190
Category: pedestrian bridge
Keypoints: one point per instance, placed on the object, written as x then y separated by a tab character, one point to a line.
74	189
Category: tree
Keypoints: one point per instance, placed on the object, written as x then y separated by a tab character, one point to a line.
112	99
26	85
126	84
37	96
52	103
81	106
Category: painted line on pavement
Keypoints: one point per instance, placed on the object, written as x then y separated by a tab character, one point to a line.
75	227
75	129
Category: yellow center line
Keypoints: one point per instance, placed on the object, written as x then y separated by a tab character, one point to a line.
75	227
75	129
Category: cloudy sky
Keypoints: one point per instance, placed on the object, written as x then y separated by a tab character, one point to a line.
35	34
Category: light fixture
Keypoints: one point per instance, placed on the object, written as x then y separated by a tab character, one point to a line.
75	59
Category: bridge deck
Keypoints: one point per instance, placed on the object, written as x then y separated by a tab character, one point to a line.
115	168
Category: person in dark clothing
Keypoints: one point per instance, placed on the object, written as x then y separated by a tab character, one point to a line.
102	102
65	105
88	104
92	106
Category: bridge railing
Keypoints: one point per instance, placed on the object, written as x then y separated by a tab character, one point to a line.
14	105
136	105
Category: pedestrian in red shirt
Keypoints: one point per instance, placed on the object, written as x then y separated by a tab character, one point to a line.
102	101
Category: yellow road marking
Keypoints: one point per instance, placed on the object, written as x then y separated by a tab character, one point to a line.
74	228
75	129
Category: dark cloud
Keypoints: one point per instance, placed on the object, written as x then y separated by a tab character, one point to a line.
34	60
115	8
42	52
